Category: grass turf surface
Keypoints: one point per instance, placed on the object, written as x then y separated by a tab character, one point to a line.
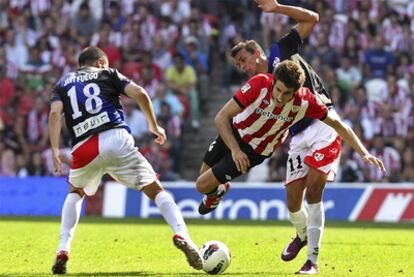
136	247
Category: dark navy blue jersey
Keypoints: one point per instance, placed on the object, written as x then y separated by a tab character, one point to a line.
288	48
91	100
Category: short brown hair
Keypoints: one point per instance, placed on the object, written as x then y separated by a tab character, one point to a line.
290	74
249	45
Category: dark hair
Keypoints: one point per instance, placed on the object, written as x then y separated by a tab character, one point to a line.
89	55
290	74
249	45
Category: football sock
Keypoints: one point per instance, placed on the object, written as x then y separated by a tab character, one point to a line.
171	213
298	220
316	222
70	216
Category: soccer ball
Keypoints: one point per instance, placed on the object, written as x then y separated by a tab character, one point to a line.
216	257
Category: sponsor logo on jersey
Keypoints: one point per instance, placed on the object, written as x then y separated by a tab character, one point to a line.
90	123
272	115
245	88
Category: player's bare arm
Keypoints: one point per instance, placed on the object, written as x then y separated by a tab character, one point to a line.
222	121
144	102
350	137
54	127
306	19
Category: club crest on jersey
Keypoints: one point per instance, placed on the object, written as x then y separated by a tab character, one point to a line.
276	60
319	157
245	88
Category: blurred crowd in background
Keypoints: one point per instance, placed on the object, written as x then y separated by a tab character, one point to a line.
362	49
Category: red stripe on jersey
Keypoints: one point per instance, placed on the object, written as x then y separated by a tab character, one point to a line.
262	146
86	152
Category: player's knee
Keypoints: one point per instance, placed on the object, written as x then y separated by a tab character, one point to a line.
314	193
294	204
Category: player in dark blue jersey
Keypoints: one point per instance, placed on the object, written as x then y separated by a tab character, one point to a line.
89	98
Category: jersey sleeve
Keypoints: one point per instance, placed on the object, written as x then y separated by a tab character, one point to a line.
290	44
316	108
119	80
55	96
250	91
284	48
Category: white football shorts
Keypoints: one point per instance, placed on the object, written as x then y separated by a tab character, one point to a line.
112	152
318	147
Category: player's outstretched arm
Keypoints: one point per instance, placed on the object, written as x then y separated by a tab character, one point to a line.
144	102
350	137
222	121
54	127
306	19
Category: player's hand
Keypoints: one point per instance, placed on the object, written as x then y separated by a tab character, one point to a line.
160	133
241	160
268	5
57	163
368	158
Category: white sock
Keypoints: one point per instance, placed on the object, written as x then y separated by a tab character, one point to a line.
171	213
299	220
70	216
316	222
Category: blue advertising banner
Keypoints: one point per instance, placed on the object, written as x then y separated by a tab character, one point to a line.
32	196
257	203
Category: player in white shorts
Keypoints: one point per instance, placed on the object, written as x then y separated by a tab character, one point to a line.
89	98
313	160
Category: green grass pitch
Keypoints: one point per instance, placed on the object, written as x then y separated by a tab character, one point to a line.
136	247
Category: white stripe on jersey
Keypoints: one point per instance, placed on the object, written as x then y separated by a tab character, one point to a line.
251	109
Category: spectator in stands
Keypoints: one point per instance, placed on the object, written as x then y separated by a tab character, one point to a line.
8	163
348	75
161	95
83	23
391	159
135	119
182	80
172	126
378	61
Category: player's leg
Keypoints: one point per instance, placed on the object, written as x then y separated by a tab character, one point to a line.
84	178
174	218
298	217
207	183
70	218
137	173
323	163
296	172
315	185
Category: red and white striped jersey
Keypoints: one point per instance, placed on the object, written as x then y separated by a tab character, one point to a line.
264	126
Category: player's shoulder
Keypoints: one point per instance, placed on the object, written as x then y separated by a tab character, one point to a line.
304	93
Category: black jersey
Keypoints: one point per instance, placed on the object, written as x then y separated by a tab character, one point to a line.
287	48
91	100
